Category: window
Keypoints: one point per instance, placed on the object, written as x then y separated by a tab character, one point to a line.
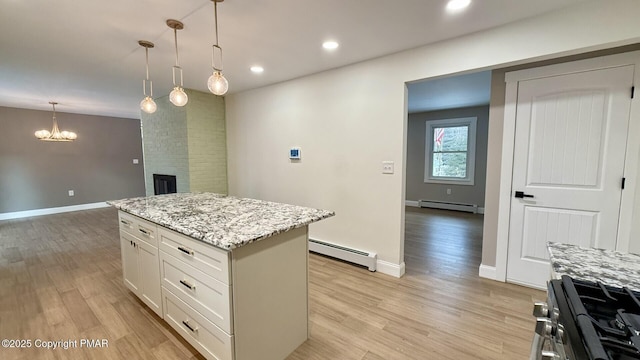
450	151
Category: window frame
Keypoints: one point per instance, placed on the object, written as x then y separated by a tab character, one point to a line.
471	123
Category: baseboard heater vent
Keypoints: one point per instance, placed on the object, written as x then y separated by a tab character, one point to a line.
472	208
344	253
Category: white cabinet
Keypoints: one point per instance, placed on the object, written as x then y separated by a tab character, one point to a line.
140	261
244	304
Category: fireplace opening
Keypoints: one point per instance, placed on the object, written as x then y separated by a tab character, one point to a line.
164	184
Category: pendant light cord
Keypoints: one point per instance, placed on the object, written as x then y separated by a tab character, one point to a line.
213	54
146	50
175	38
215	15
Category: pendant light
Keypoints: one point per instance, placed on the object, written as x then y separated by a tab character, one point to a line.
217	83
177	96
55	134
147	104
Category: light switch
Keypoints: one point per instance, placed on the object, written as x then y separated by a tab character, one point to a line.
71	193
387	167
135	161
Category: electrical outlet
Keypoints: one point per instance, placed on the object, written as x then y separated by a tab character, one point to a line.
71	193
387	167
448	191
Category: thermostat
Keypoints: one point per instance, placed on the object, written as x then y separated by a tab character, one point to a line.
294	153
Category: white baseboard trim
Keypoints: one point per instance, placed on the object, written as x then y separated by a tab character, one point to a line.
395	270
412	203
488	272
49	211
480	210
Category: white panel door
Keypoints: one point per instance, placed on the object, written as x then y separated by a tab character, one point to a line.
570	145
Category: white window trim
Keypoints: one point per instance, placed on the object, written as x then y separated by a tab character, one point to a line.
471	122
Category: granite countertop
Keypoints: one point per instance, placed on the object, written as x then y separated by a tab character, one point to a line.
223	221
606	266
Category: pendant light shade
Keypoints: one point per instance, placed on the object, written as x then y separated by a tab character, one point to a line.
147	104
55	134
178	96
217	83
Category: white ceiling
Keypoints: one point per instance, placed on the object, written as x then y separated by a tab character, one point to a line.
450	92
85	55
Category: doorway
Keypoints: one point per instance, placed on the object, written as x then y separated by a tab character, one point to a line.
446	170
565	145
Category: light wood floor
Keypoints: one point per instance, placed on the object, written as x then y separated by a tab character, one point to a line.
60	279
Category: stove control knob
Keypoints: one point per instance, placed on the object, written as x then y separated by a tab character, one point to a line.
540	309
560	333
555	314
549	355
544	327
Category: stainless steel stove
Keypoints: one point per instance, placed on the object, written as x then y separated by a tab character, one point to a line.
587	321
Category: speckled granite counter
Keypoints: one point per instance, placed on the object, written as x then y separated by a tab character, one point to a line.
223	221
606	266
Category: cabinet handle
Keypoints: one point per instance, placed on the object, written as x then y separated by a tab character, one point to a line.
191	287
144	231
186	323
185	250
125	222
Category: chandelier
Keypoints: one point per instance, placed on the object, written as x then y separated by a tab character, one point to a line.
177	96
147	104
55	134
217	83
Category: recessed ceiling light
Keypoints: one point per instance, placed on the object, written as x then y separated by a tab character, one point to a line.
330	45
257	69
456	5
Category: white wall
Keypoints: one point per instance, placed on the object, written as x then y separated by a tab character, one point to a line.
347	121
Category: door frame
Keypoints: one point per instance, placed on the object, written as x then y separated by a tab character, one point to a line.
632	155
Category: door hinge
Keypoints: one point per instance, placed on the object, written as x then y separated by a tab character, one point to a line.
633	90
623	181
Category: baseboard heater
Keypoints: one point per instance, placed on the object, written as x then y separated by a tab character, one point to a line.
344	253
472	208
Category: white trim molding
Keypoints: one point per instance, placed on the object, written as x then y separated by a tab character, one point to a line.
49	211
395	270
487	272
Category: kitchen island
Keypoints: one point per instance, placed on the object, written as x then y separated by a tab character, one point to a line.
605	266
229	274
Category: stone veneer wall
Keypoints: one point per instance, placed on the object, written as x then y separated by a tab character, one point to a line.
188	142
207	139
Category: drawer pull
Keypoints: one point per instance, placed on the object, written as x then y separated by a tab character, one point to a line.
144	231
186	323
186	284
185	250
125	222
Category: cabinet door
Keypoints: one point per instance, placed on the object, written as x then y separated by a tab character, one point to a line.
130	268
150	291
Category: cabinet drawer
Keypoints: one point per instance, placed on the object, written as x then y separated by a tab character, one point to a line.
205	294
210	340
138	227
206	258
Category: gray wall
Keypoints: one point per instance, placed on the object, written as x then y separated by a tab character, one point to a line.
98	166
417	189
